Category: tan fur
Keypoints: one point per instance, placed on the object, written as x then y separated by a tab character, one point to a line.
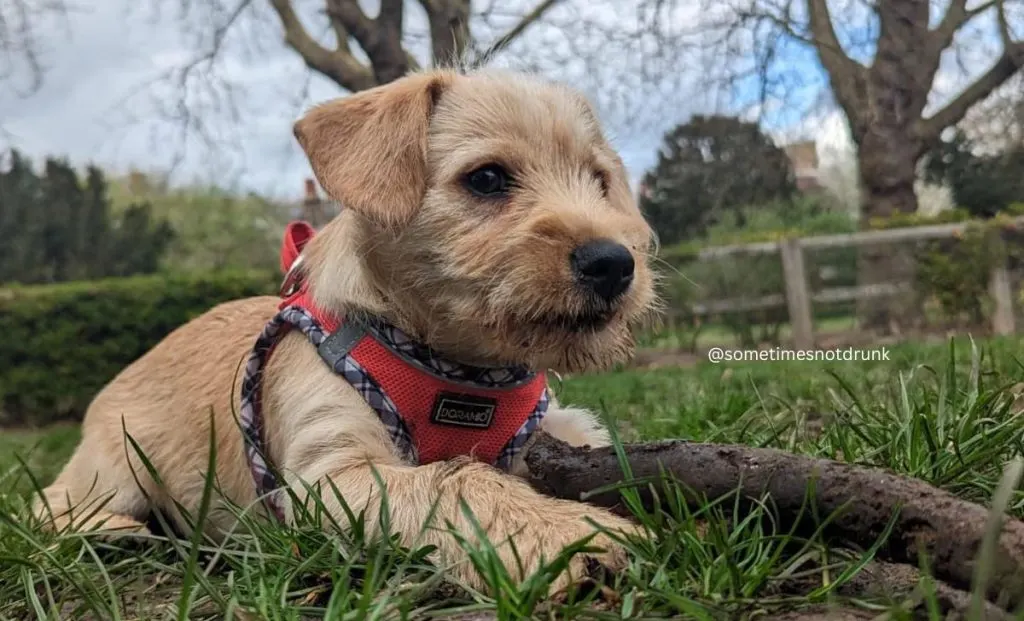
474	278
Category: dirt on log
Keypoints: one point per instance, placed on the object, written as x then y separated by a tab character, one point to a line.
948	530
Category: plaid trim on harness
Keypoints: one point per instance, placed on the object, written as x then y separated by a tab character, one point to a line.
295	317
400	342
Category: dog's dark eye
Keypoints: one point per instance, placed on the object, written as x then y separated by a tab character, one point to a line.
488	181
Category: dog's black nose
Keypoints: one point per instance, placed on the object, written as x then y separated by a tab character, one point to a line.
604	266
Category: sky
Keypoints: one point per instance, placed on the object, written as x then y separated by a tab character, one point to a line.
106	98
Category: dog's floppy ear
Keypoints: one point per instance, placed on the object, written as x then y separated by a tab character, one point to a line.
368	150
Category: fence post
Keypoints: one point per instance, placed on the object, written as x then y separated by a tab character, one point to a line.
1003	322
798	300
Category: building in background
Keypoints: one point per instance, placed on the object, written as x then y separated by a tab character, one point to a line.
803	157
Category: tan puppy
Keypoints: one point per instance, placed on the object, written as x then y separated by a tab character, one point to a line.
485	215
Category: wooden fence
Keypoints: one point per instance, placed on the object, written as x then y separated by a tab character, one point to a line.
799	300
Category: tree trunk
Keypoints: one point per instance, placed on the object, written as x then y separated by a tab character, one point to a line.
889	147
888	170
887	173
387	56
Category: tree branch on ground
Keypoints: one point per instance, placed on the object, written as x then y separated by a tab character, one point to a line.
855	505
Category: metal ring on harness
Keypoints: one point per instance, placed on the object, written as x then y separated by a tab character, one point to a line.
292	279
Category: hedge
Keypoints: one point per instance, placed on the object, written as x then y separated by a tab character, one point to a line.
685	252
59	344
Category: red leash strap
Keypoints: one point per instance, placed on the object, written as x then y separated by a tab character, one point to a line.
296	235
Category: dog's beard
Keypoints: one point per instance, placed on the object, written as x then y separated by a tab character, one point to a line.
566	342
580	318
503	321
593	351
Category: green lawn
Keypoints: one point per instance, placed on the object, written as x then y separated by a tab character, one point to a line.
950	418
43	451
712	333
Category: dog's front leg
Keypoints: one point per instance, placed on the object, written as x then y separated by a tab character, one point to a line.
323	436
423	501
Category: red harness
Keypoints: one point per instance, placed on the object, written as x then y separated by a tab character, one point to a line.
441	409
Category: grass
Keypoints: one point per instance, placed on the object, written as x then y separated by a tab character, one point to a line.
39	451
948	414
718	334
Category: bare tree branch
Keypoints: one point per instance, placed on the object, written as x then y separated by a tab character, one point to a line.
349	14
847	76
380	38
21	22
956	17
1014	48
996	125
388	57
341	34
504	40
1004	68
340	65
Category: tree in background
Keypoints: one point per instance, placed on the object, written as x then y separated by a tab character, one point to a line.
213	229
997	124
881	61
54	228
982	183
710	168
983	160
23	26
619	52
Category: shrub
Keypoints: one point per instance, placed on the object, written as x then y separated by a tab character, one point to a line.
802	216
745	279
954	272
63	342
950	274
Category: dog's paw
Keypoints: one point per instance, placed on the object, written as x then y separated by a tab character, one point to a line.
608	555
534	539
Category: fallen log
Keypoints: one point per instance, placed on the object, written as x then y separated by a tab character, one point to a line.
947	529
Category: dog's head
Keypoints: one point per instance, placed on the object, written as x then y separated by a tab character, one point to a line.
486	214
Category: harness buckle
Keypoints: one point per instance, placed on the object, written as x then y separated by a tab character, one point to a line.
292	279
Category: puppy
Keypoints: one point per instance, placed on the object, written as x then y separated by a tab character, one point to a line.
488	234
